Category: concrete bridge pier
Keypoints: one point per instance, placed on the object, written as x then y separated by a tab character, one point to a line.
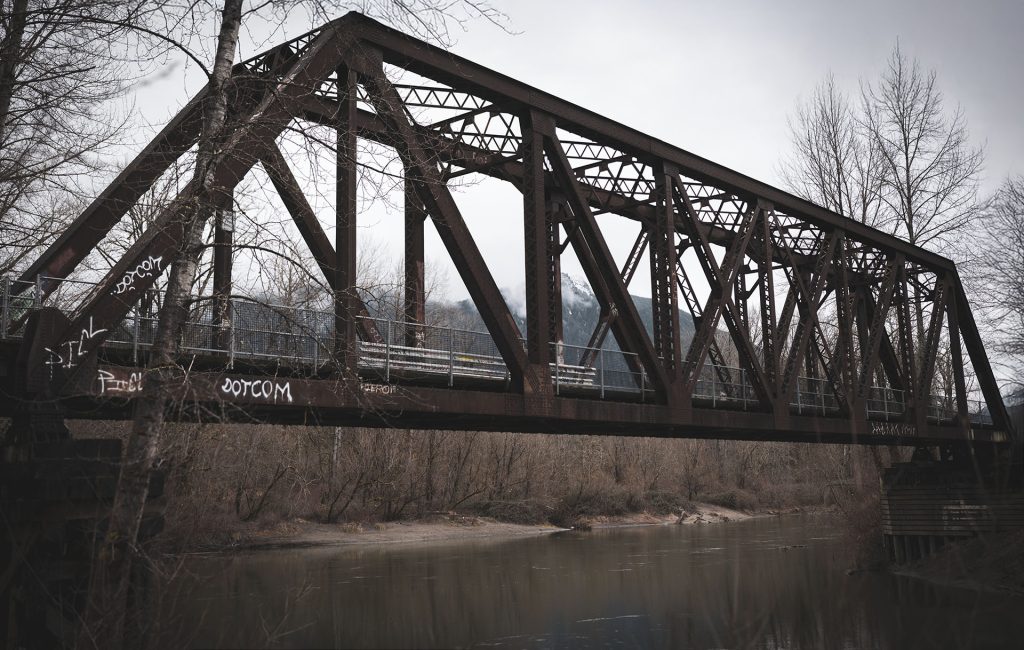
55	497
928	503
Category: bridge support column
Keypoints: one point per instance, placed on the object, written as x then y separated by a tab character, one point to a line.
346	300
664	295
415	287
543	277
957	364
927	503
905	340
223	239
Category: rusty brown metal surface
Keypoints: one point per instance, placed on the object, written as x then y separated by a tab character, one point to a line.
415	274
159	246
368	402
755	247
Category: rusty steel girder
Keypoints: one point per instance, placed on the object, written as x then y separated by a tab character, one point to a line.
835	299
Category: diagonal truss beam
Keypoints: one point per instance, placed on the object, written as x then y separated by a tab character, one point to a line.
693	307
809	299
79	238
450	225
979	359
931	343
957	359
308	225
697	236
721	302
846	310
160	244
604	320
92	225
627	326
878	313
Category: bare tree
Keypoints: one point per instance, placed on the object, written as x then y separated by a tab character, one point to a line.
931	171
996	270
62	63
104	615
835	163
899	161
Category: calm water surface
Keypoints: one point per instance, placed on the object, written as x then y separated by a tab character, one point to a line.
763	583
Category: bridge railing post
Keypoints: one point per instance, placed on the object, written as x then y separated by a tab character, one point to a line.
714	390
743	387
601	361
508	373
643	384
557	379
314	337
231	338
799	405
387	352
451	357
135	336
37	297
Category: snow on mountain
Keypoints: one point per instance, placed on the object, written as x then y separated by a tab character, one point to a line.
580	313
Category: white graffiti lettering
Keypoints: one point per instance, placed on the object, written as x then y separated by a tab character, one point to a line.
257	388
149	267
893	429
67	353
109	383
378	389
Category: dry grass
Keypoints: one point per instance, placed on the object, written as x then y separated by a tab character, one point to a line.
227	482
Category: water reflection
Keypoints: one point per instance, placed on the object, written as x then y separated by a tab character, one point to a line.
767	583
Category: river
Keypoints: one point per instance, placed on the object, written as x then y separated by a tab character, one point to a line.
777	582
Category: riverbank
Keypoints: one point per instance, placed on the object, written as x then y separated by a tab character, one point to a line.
300	533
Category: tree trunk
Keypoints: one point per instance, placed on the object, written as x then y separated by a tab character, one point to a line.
103	619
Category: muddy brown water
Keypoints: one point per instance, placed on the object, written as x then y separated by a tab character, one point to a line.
776	582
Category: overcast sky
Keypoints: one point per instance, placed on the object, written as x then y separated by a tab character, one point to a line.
718	79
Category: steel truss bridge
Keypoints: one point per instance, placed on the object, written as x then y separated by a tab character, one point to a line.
808	326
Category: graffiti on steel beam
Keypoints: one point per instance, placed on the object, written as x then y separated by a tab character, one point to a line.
377	389
893	429
110	383
268	389
69	352
147	268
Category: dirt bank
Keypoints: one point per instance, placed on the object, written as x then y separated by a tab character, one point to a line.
301	533
698	513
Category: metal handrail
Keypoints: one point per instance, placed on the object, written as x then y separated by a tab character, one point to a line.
476	357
